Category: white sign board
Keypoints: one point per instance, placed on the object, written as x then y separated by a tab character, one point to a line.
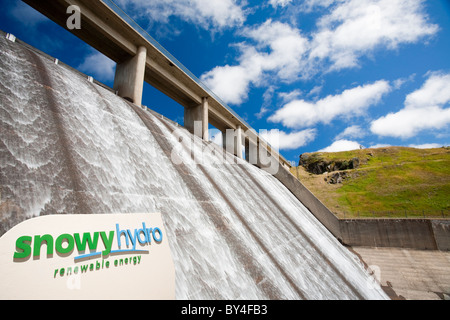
97	256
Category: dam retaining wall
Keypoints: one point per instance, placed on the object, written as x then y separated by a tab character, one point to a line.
422	234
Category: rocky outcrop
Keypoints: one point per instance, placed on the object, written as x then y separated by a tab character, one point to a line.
314	163
336	177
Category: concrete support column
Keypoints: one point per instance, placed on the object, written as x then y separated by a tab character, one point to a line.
226	144
129	78
232	141
251	151
196	119
205	120
238	144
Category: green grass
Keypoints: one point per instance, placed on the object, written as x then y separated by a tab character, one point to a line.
392	182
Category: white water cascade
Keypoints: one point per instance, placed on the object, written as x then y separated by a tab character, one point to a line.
70	146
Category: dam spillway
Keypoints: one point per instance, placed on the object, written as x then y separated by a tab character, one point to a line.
69	146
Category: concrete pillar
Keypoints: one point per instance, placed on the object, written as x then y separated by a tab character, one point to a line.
251	151
232	141
196	119
205	120
238	148
129	78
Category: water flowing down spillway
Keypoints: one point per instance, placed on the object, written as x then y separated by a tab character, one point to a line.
68	146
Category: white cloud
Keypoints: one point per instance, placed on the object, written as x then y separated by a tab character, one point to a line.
281	3
434	92
357	27
379	145
230	83
278	50
267	96
281	140
406	123
98	66
426	145
205	13
309	5
423	110
316	90
289	96
398	83
220	13
351	29
286	45
351	102
342	145
354	131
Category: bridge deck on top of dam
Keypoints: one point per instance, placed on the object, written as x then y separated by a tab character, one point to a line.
108	29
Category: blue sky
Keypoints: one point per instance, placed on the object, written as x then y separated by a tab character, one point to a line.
328	74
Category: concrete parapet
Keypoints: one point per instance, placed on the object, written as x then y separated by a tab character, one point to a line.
399	233
441	231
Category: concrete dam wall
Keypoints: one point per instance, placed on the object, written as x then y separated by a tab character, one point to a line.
68	146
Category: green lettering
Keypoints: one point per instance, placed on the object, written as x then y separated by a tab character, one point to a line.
59	242
23	249
38	240
81	244
107	242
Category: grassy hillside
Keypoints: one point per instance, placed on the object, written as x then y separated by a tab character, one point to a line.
390	182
